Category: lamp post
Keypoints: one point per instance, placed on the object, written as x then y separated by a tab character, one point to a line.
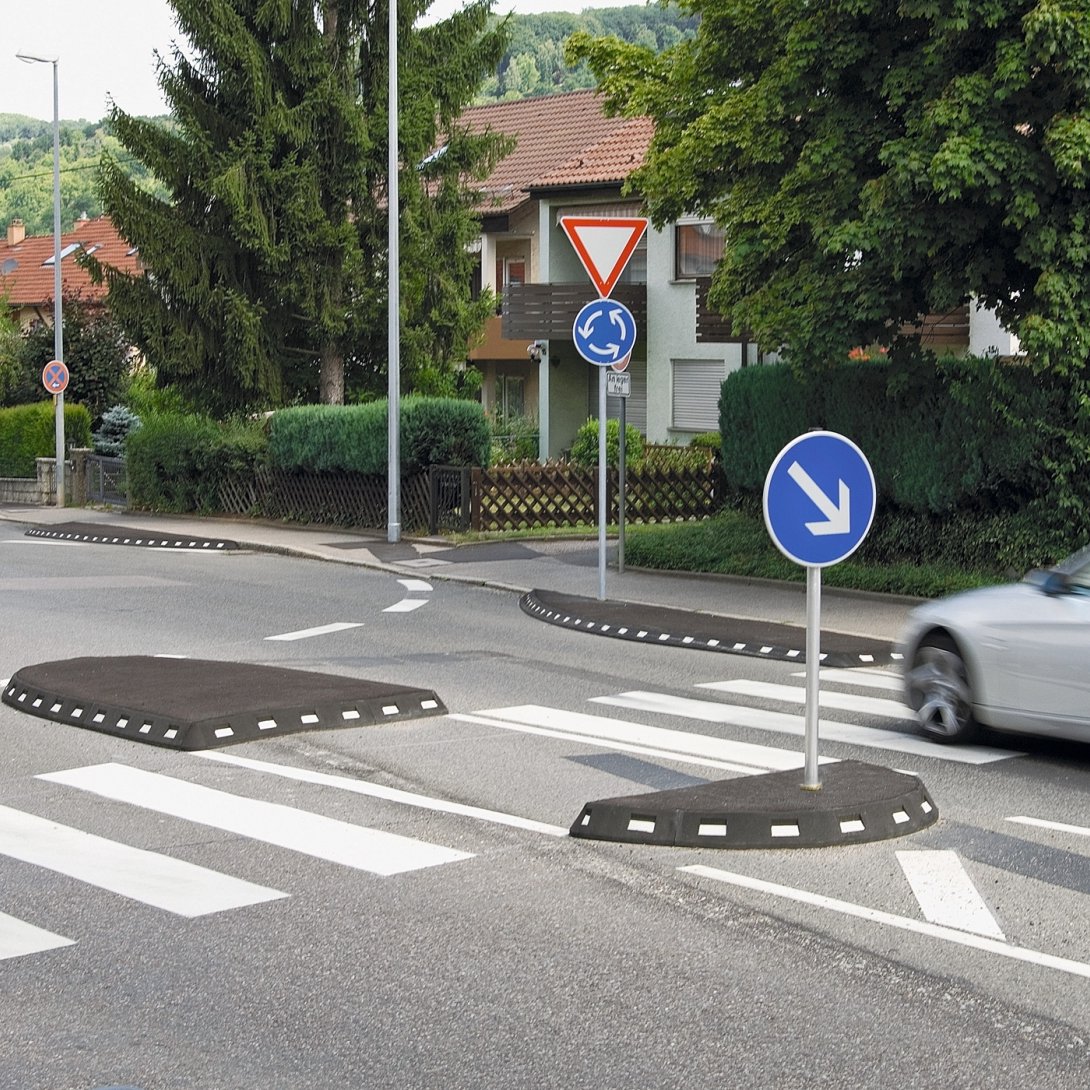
393	273
58	324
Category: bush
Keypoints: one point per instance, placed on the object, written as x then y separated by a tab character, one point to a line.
29	432
434	431
584	450
114	429
941	436
177	462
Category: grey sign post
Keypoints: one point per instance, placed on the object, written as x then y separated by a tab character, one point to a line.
619	384
819	500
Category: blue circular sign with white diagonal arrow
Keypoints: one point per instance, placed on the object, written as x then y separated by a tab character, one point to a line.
819	499
604	332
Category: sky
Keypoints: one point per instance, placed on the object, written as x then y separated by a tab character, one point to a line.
106	48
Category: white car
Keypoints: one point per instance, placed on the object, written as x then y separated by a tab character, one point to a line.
1011	658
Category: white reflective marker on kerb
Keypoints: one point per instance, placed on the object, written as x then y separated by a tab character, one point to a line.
284	826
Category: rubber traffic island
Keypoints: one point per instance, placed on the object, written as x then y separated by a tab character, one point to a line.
857	803
666	627
201	704
93	533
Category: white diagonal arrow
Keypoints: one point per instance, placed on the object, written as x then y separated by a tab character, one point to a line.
837	516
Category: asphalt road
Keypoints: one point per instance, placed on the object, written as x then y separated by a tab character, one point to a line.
399	906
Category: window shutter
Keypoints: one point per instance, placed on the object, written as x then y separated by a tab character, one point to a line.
697	385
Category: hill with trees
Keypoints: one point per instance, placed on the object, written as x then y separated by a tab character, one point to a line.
533	64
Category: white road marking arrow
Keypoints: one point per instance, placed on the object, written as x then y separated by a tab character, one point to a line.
837	515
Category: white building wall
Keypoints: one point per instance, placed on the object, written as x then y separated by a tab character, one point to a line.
671	336
987	336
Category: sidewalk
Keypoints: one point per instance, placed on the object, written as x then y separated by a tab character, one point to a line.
567	569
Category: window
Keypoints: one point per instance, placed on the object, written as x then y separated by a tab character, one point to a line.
696	389
697	249
510	397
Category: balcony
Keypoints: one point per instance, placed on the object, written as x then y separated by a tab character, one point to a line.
495	346
546	311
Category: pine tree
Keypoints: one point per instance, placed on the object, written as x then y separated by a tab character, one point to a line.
266	264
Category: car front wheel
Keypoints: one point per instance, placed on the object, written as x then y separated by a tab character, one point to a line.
939	690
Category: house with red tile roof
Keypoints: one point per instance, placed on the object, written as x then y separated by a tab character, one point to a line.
26	267
570	159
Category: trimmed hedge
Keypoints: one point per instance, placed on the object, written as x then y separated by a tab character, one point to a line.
434	431
584	449
176	461
942	436
29	432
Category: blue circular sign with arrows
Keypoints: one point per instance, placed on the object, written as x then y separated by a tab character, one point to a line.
604	332
819	499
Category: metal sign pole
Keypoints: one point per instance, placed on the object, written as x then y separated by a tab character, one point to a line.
811	780
620	492
601	484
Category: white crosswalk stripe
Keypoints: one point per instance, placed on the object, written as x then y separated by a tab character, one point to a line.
709	711
148	877
284	826
18	938
792	694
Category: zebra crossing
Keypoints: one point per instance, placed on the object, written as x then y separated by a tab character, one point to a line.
185	889
888	725
176	886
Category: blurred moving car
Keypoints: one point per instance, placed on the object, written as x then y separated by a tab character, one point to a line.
1011	658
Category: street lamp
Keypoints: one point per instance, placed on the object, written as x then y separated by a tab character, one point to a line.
58	325
393	273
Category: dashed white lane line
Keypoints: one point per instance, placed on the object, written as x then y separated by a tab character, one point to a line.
378	791
945	892
903	923
319	630
406	605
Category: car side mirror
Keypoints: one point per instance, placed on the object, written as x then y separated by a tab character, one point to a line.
1050	582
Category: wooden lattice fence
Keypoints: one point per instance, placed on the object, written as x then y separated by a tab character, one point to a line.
334	499
533	496
511	497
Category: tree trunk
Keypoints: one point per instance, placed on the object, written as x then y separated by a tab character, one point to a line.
331	376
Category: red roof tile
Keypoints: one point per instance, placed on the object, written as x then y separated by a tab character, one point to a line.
29	282
611	160
551	131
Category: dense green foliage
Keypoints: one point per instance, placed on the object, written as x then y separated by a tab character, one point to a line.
269	257
909	555
28	432
956	435
584	449
26	170
95	351
177	461
534	61
871	162
434	431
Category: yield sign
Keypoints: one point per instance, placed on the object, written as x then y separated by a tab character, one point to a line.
604	245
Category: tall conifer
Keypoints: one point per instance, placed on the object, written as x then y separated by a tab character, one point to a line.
266	265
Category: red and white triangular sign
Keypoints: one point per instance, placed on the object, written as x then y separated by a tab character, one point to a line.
604	245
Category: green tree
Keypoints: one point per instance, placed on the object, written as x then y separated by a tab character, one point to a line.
267	261
95	351
873	161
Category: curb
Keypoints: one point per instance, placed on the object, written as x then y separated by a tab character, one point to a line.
857	803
